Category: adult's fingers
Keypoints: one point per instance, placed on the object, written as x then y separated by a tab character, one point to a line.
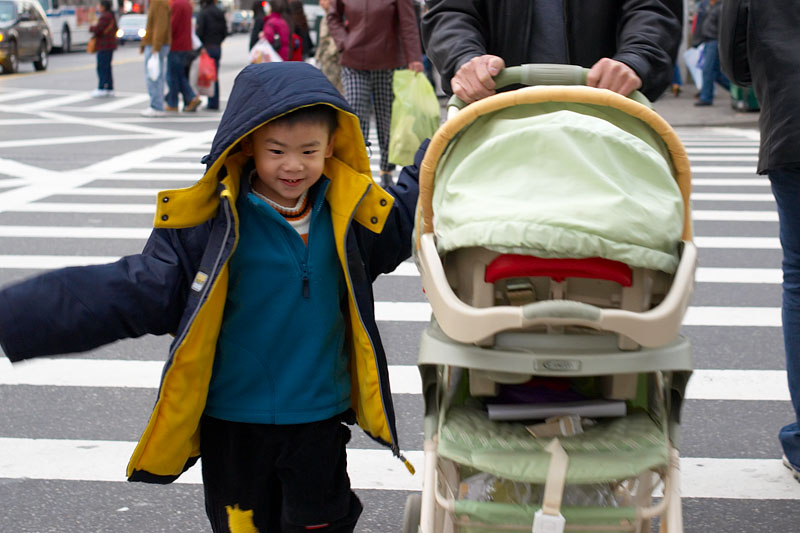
473	80
614	76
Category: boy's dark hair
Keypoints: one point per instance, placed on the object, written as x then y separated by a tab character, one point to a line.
315	114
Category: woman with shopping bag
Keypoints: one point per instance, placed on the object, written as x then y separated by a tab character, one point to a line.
104	36
211	30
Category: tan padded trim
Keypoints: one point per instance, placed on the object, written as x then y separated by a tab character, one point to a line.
539	94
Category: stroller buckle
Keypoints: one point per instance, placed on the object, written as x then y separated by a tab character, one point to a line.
548	523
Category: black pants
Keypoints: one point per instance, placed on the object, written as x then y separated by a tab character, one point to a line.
277	478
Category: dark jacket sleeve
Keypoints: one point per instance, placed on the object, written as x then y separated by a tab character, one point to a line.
80	308
649	38
393	245
453	32
733	57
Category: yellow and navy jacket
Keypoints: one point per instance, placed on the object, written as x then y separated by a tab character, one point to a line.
178	284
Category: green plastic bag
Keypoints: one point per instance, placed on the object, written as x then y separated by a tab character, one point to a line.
415	115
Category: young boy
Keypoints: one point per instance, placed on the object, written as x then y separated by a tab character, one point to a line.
262	270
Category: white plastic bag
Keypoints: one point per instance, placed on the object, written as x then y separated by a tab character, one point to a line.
153	67
693	57
262	52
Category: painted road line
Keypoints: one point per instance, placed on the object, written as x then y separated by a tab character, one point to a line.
733	197
735	216
724	158
716	151
74	139
730	182
739	275
121	103
48	103
105	460
20	94
173	166
735	243
695	315
723	169
152	176
48	262
72	232
51	207
113	191
713	384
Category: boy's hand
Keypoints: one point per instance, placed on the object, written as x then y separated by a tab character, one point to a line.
614	76
473	80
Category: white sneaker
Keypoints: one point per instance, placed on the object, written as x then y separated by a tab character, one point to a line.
99	93
110	93
150	112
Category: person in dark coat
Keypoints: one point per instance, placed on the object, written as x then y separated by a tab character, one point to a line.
212	30
258	22
627	45
764	51
105	34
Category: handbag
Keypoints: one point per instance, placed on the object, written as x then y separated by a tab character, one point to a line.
263	52
91	46
206	74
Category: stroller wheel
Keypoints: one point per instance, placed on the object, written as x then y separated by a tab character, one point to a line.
412	513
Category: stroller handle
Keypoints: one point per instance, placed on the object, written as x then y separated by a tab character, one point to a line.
542	74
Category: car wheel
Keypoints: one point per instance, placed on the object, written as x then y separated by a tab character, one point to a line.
41	63
11	63
66	40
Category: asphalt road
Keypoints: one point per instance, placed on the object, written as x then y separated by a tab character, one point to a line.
77	182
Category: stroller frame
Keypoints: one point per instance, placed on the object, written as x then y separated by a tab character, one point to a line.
504	341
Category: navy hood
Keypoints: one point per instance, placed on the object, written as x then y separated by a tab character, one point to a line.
264	91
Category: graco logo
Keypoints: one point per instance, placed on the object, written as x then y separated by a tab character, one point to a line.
559	365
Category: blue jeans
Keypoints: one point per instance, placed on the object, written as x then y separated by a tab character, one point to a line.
712	72
104	79
216	53
177	82
786	188
156	88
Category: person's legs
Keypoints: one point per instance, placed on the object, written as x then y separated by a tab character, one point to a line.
174	73
190	100
156	99
356	92
104	70
312	468
786	188
216	54
710	69
382	97
239	481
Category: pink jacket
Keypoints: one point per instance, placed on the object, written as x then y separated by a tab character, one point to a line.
274	23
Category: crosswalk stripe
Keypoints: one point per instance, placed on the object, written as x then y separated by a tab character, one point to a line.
189	177
695	315
725	158
730	182
121	103
48	103
771	243
52	207
711	384
20	94
74	139
112	191
72	232
723	170
173	166
718	150
702	275
735	216
733	197
105	460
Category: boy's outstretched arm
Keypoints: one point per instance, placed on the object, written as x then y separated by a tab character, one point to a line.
393	245
80	308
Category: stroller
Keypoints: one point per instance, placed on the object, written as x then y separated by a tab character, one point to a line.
555	250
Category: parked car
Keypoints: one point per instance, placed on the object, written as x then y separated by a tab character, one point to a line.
131	27
24	35
241	22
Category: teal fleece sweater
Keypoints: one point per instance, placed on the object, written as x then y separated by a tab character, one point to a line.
280	356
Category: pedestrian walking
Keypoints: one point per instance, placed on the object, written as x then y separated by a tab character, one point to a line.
711	68
758	44
105	35
301	29
212	30
278	28
276	343
375	37
626	45
156	41
181	54
326	56
258	22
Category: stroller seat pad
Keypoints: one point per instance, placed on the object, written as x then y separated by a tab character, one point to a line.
613	449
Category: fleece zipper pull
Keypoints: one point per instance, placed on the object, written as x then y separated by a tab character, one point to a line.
306	286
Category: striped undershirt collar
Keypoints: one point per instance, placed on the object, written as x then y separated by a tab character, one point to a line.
299	211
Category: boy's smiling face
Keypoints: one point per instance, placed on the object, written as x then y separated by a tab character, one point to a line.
289	158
